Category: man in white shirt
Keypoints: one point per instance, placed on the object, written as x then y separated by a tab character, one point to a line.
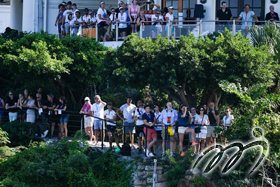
157	19
111	116
75	23
98	109
86	18
168	120
92	19
128	109
65	20
74	10
139	124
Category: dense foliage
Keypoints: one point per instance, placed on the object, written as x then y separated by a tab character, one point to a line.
65	164
189	70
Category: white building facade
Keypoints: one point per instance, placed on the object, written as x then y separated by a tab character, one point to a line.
36	15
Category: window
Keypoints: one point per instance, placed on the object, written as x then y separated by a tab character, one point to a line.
185	6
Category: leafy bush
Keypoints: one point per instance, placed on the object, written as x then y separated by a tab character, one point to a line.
178	166
65	164
20	133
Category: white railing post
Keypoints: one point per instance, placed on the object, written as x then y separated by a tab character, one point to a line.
169	29
141	30
96	37
200	26
117	31
233	28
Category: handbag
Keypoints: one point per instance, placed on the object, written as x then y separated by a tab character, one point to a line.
198	129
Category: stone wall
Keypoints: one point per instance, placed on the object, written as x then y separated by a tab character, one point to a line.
143	176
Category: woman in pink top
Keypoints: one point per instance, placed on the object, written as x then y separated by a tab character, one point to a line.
133	12
88	120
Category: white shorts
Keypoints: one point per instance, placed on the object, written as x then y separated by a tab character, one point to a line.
98	124
30	118
201	135
182	130
88	122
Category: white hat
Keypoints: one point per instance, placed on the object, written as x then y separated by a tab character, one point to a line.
102	2
121	8
87	99
171	7
120	2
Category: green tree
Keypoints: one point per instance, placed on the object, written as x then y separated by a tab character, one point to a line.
190	69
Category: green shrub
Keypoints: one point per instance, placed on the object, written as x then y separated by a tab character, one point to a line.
20	133
65	164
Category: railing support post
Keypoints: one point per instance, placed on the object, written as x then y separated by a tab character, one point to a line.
102	134
233	28
96	37
117	31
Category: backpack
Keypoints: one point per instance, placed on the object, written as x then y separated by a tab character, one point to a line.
126	150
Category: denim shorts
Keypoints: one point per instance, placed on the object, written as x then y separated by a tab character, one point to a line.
64	118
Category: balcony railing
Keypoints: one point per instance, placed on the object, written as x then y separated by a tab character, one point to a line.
177	29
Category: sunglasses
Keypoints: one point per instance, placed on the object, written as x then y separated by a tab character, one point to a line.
158	13
201	110
11	94
227	111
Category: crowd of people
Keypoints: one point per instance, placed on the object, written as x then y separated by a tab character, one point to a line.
131	16
34	108
146	122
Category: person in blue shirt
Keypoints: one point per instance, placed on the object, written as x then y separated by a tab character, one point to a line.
127	19
184	118
149	120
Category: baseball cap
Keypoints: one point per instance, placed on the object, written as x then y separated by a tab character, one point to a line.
69	3
87	99
192	108
121	8
63	3
110	103
102	2
120	2
171	7
74	4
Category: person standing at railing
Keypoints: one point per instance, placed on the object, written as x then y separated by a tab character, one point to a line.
140	20
271	15
88	120
127	19
30	112
149	120
224	14
227	122
11	105
86	18
76	23
122	18
128	109
184	118
92	19
158	128
157	22
201	119
49	107
150	12
61	107
118	9
98	109
58	21
111	116
65	20
74	10
102	19
2	105
247	18
113	18
168	120
21	103
169	17
133	12
139	124
42	120
214	119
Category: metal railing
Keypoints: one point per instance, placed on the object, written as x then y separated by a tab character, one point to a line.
176	29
